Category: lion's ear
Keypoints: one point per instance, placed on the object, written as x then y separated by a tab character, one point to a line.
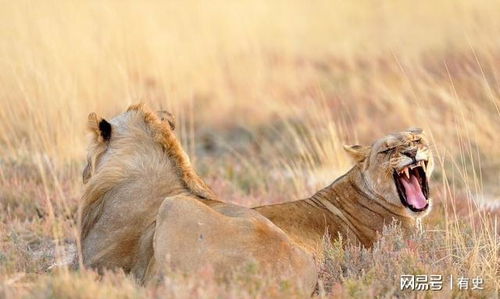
101	127
358	152
167	116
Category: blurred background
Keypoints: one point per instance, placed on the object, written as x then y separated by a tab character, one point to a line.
265	94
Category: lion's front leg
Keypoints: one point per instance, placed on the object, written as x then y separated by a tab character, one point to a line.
190	236
187	237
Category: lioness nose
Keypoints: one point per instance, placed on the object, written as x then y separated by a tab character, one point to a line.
410	153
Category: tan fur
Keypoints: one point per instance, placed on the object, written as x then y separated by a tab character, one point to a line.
225	237
143	202
358	204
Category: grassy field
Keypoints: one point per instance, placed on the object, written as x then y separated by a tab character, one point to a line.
265	94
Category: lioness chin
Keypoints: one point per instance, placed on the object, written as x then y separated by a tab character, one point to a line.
388	182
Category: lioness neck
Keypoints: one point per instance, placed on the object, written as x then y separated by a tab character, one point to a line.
344	207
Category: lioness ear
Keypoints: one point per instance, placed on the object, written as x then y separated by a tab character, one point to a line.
167	116
358	152
100	126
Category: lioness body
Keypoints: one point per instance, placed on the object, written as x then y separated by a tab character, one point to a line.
359	203
144	209
343	207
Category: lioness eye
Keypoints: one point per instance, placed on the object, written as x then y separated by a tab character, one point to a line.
386	150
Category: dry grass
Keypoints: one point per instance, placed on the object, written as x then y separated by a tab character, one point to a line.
265	95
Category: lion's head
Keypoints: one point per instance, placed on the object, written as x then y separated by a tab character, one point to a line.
122	127
397	168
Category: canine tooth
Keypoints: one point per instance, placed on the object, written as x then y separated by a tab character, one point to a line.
407	172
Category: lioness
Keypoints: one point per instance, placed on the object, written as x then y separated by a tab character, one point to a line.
389	181
145	210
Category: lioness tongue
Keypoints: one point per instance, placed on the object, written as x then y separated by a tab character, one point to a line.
414	195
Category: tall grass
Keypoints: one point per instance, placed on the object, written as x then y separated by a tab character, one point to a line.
265	93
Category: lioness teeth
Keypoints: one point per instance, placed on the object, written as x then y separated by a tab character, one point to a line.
420	163
406	172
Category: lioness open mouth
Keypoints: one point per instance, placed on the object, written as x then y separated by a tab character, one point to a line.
413	188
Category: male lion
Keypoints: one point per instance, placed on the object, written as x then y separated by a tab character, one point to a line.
389	181
145	210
